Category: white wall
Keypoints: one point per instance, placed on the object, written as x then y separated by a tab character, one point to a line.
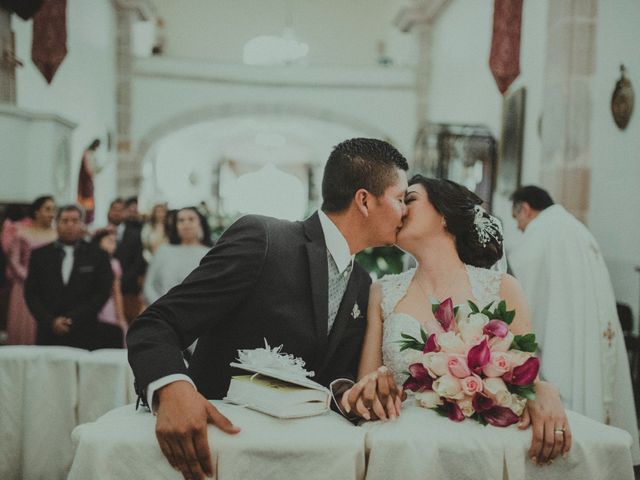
83	89
615	195
381	98
338	32
463	89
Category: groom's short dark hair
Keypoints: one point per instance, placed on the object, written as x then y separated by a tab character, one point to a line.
359	163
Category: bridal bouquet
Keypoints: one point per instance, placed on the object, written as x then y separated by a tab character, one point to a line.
469	365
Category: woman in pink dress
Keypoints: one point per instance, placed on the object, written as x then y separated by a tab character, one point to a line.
113	311
21	327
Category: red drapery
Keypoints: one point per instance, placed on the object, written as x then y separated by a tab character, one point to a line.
49	45
504	60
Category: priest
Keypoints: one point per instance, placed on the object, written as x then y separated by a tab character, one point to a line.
564	276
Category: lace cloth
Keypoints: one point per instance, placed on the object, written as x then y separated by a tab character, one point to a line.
485	286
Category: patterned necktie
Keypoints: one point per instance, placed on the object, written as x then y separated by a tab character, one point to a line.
337	285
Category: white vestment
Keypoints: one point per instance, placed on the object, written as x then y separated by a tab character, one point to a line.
574	316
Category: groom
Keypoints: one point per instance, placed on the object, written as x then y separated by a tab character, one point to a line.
291	283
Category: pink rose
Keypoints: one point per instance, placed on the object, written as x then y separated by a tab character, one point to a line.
471	385
458	366
498	365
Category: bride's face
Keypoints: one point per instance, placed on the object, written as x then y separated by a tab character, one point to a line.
422	219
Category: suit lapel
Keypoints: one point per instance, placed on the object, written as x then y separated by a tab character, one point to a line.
343	317
318	275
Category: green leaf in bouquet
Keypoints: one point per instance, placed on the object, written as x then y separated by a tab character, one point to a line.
487	307
479	418
435	307
423	335
409	342
474	308
527	391
525	343
441	410
509	316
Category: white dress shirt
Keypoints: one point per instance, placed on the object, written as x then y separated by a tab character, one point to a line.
338	248
67	262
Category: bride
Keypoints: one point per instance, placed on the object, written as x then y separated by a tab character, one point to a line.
454	242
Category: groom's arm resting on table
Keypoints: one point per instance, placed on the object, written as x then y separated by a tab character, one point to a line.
375	395
158	337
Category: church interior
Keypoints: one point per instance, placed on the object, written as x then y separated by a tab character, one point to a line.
233	106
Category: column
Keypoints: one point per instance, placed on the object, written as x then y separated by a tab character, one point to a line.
566	120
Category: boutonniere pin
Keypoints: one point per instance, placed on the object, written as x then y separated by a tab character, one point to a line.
355	313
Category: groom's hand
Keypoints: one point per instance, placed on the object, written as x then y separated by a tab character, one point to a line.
375	396
181	428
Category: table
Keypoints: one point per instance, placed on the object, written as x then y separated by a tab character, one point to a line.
422	441
45	392
421	444
122	444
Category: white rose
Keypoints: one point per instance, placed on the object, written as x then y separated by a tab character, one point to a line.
450	342
449	387
428	399
413	356
471	334
517	357
462	314
497	344
517	404
497	390
436	362
466	406
478	319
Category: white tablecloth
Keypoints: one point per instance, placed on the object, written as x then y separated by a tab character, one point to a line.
422	444
122	445
44	391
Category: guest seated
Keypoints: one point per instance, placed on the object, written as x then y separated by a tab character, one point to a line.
190	241
69	281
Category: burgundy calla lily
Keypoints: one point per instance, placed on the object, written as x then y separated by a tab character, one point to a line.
481	403
479	355
496	328
500	416
445	315
420	380
455	413
524	374
431	344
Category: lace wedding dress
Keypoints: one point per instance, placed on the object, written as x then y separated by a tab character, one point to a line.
423	444
485	285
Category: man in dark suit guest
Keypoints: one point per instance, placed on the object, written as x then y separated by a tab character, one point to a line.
68	282
129	254
291	283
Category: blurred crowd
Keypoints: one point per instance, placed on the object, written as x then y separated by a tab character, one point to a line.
65	283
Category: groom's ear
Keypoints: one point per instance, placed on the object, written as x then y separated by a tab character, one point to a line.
362	199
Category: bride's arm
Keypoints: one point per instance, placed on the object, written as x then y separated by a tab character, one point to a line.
546	413
371	356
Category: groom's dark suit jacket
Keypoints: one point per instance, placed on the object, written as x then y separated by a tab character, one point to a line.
264	279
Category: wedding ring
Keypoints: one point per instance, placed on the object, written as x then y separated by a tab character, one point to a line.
559	431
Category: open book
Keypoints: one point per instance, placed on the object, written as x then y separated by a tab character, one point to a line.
279	385
276	397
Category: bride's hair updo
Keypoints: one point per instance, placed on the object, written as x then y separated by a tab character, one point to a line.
459	207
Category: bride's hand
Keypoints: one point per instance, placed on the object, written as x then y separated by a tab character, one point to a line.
547	417
375	396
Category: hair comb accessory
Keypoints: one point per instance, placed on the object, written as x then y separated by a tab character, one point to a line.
486	226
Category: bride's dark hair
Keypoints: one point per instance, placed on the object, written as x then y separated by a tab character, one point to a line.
457	205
